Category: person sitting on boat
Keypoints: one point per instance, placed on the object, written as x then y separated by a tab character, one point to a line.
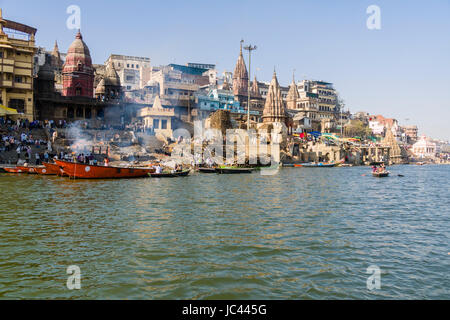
158	169
209	162
106	162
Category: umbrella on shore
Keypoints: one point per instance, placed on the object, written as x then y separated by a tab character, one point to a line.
5	111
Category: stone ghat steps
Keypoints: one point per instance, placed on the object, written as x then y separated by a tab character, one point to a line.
10	157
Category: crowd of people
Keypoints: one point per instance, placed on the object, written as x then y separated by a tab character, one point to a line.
380	169
26	124
17	137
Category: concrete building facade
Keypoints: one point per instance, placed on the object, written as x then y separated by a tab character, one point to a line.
134	72
17	50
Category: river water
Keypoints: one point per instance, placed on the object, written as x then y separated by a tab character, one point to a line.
303	233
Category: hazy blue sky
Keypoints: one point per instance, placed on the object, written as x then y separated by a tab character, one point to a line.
400	71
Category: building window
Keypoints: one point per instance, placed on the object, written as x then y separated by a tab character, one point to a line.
18	79
79	112
163	124
78	91
18	104
70	113
1	54
128	65
137	66
155	123
88	113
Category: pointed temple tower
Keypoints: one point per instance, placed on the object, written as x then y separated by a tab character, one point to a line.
274	109
292	96
255	89
226	85
240	79
56	57
78	73
109	87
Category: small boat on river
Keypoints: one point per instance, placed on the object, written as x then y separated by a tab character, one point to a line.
169	174
15	170
380	174
206	170
86	171
316	165
52	169
21	169
233	170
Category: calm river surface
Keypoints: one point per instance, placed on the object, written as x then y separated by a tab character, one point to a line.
303	233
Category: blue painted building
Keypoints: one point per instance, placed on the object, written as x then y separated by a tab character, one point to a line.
218	99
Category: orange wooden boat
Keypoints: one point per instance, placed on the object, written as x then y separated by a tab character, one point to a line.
31	170
53	168
15	170
21	169
86	171
43	170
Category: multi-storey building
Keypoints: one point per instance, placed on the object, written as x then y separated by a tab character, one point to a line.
411	133
17	49
324	95
213	99
134	72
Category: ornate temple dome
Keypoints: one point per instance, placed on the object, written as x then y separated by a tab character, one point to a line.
46	71
100	89
111	77
78	72
78	54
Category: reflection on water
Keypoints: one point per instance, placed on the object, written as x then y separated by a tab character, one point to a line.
301	234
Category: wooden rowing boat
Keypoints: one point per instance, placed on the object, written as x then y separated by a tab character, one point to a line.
169	174
233	170
380	174
207	170
53	168
15	170
316	165
31	170
86	171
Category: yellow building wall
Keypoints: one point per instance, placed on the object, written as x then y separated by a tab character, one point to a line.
18	62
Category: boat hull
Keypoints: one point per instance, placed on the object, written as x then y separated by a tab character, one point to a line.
85	171
233	170
380	175
15	170
316	165
207	170
31	170
53	168
169	174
